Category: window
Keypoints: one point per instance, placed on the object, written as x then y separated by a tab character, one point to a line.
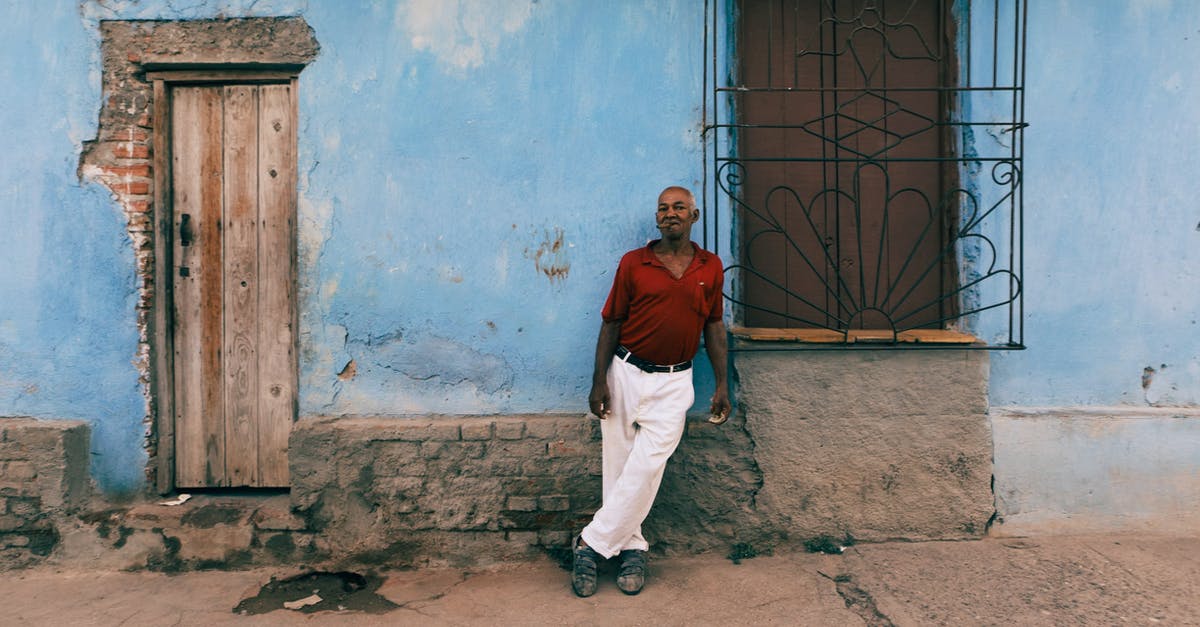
873	188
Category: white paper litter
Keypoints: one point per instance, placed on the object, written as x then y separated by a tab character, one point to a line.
179	500
305	602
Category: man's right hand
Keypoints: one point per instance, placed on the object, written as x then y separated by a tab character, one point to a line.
598	400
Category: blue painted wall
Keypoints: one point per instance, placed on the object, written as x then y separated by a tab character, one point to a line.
1112	259
471	171
68	332
470	174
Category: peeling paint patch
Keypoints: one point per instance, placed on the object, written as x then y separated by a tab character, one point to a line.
1147	377
348	371
550	257
458	32
444	362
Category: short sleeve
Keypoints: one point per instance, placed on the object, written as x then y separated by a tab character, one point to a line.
617	306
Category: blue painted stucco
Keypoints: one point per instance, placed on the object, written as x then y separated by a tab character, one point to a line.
470	173
1112	248
68	330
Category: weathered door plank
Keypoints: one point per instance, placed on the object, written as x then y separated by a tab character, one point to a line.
197	199
276	332
241	285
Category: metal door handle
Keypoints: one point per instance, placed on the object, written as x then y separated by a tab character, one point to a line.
185	230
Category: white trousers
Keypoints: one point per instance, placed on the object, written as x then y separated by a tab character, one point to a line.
645	423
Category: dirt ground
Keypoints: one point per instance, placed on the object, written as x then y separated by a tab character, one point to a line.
1095	580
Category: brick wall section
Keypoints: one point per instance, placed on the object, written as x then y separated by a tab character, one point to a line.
43	474
477	490
120	158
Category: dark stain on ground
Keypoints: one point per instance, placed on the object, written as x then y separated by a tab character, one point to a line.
340	591
123	534
281	546
211	515
860	601
828	544
741	551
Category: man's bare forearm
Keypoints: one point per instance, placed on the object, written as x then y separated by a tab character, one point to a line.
606	346
716	345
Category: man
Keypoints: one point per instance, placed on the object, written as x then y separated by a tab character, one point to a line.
663	297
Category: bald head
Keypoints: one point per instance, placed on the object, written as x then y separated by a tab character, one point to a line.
675	189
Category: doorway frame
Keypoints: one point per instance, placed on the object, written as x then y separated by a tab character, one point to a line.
161	321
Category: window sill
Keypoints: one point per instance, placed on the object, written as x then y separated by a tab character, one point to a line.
854	336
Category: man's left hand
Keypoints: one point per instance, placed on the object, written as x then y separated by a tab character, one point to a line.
720	407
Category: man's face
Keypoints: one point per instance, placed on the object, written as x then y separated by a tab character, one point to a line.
676	213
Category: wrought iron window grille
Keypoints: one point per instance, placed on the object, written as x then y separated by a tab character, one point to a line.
814	164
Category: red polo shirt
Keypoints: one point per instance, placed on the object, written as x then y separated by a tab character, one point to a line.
662	317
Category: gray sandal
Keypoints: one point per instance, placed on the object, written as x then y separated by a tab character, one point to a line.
632	575
583	569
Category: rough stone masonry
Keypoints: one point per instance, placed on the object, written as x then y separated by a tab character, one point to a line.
484	489
43	476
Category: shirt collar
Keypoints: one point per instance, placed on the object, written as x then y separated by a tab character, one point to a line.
649	258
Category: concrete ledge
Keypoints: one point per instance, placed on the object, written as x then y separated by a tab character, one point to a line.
1096	469
43	476
873	445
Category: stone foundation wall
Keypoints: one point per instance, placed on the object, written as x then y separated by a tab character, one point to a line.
824	447
476	490
43	475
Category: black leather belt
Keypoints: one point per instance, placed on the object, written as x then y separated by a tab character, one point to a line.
645	366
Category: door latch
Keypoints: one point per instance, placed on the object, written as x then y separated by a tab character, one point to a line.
185	230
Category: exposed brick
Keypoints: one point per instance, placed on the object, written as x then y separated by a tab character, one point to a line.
399	487
139	170
521	449
131	150
19	471
554	502
137	206
12	450
139	188
554	538
422	431
476	430
24	507
401	458
16	540
124	134
139	223
510	430
522	503
541	429
562	448
521	537
277	520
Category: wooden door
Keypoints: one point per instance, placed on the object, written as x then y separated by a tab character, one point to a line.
234	206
